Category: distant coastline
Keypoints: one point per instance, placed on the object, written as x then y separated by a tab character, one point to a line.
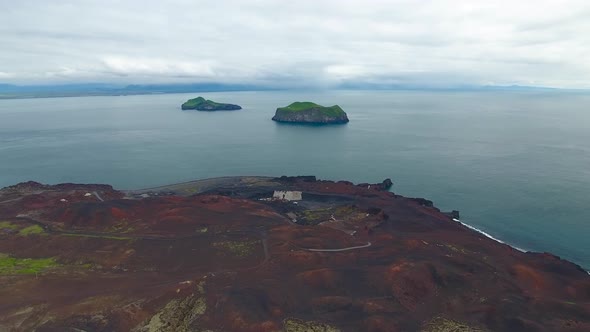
10	91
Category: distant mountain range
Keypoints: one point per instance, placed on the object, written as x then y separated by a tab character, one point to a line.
10	91
379	86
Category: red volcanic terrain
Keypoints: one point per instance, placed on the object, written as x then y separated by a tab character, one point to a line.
267	254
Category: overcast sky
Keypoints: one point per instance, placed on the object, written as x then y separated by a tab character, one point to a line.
299	43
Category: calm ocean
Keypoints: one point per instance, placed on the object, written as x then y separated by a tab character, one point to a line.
516	164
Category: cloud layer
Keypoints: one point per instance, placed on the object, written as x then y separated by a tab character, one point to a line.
298	43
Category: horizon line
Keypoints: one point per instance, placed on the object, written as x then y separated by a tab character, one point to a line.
89	89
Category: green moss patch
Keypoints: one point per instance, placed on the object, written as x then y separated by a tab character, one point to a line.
340	213
14	228
121	227
441	324
12	265
7	225
179	315
238	248
99	236
297	325
316	216
300	106
32	230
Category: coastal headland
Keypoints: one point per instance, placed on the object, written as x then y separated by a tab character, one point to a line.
267	254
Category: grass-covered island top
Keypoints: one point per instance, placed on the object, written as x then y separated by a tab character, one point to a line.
202	104
309	112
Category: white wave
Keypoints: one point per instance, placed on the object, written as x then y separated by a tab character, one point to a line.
491	237
487	235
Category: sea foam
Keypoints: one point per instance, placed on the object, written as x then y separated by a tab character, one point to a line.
487	235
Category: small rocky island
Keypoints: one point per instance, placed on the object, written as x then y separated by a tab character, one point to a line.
202	104
312	113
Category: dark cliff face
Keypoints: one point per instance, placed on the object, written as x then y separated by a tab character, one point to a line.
208	107
220	107
344	258
312	116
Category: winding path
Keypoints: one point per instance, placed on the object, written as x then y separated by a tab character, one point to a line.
341	249
98	196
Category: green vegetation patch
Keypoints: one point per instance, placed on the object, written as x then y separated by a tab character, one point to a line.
440	324
7	225
29	230
297	325
32	230
179	315
99	236
121	227
340	213
11	265
300	106
316	216
200	102
238	248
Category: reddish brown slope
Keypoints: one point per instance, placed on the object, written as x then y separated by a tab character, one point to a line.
219	263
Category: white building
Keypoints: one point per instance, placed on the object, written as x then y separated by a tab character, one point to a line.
287	195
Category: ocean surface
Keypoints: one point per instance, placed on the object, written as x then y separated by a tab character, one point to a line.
516	164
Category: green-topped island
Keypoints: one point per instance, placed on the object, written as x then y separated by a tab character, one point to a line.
311	113
202	104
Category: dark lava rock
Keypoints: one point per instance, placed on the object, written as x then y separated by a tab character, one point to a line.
423	201
386	184
453	214
300	178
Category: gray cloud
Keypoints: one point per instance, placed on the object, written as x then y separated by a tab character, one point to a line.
298	43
